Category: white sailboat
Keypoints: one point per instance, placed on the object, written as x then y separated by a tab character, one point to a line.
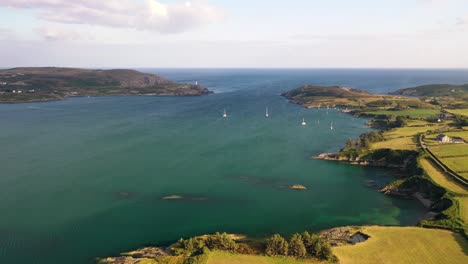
303	122
331	126
224	114
266	112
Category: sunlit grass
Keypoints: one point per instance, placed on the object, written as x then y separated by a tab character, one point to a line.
440	178
405	245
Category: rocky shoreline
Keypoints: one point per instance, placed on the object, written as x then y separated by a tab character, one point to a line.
356	161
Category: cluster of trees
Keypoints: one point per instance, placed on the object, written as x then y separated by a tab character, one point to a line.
364	140
461	121
300	245
389	122
218	241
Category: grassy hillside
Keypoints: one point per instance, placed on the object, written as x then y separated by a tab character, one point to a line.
435	90
406	245
323	96
448	95
454	156
43	84
463	112
405	138
440	178
411	113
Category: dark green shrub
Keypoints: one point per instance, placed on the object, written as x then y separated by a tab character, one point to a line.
276	246
296	246
221	242
243	248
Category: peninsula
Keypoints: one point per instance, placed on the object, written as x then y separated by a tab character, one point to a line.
422	137
311	96
49	83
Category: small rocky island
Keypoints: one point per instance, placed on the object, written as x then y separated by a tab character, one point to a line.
50	83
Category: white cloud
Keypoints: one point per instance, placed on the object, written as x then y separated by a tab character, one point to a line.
149	15
60	34
462	21
7	34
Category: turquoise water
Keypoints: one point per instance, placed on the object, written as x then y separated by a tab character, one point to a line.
84	177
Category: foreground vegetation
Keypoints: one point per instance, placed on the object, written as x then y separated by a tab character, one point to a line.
382	245
223	257
226	248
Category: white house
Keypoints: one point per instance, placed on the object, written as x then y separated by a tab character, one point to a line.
443	138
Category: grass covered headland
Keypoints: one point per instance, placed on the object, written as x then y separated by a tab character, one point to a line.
32	84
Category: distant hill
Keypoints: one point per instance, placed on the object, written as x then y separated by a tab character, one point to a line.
435	90
322	96
50	83
446	95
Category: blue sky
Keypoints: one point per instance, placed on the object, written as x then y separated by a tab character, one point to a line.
225	33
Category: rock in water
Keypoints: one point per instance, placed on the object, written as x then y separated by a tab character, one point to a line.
298	187
173	197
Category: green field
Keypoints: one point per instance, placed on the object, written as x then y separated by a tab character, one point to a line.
222	257
412	113
402	143
404	138
459	164
462	133
405	245
450	150
459	111
454	156
440	178
463	207
453	133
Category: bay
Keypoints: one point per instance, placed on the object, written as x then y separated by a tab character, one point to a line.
85	177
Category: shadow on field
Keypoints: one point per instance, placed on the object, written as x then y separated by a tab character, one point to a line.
463	242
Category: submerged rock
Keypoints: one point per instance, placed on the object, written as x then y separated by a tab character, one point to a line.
173	197
298	187
177	197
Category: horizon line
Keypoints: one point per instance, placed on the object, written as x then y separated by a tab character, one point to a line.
240	68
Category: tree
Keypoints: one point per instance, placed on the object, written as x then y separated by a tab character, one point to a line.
243	248
221	242
325	251
350	143
276	246
296	246
309	242
191	245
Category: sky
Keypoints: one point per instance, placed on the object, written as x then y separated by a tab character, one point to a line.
234	33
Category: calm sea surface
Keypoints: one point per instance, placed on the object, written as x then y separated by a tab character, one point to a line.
84	177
